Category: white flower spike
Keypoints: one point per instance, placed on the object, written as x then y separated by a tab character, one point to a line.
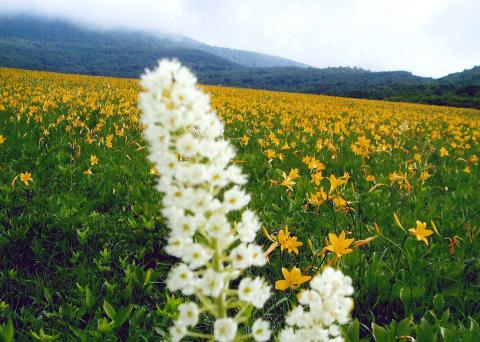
200	187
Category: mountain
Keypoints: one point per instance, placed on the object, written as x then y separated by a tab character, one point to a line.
460	89
245	58
466	77
40	39
344	81
56	45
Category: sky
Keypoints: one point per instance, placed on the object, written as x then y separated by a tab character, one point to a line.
426	37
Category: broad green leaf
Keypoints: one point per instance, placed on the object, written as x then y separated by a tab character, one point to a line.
122	315
404	327
425	332
89	298
7	331
381	334
109	309
438	302
353	331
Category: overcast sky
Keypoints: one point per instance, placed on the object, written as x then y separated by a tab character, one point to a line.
426	37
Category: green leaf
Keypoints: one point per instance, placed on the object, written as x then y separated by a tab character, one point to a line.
80	334
449	335
6	331
42	336
425	332
473	332
89	298
438	302
474	327
405	327
445	317
109	310
103	325
48	294
407	294
381	334
353	331
122	315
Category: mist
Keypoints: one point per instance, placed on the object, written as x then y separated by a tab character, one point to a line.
428	38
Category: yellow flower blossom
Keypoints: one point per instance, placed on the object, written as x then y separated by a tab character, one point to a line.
313	164
341	203
244	140
396	178
318	198
288	180
93	160
26	177
443	152
292	245
420	232
288	242
108	141
283	236
317	177
336	182
293	279
425	175
339	245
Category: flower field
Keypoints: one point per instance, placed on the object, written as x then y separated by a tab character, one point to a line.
388	193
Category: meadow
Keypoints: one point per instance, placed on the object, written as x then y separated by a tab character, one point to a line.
387	192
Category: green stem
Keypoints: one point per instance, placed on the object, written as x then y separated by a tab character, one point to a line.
238	317
207	304
321	263
199	335
220	301
244	337
332	208
396	265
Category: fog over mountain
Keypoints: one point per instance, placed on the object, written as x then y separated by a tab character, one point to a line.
430	38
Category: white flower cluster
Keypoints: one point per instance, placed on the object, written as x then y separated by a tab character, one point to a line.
201	189
329	304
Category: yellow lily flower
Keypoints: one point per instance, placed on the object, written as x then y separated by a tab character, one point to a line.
26	177
339	244
283	237
420	232
292	245
293	279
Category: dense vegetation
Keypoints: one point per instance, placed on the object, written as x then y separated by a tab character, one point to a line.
463	90
81	236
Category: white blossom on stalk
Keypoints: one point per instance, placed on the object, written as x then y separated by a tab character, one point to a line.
225	329
188	314
254	291
200	188
177	332
261	330
322	309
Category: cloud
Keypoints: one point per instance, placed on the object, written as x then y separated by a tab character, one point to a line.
428	37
